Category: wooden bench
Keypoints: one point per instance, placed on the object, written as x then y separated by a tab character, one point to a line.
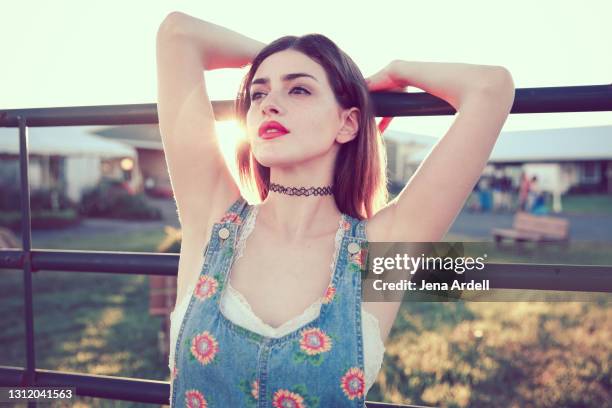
534	228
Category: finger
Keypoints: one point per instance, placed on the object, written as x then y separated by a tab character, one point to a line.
380	82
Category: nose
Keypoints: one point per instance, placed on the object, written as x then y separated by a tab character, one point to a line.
269	105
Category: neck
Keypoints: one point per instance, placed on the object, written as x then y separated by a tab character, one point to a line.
294	219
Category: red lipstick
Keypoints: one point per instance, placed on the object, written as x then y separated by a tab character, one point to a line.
271	129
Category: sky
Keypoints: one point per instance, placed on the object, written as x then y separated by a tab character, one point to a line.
78	53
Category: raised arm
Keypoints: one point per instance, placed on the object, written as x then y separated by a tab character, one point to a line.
483	96
202	184
426	207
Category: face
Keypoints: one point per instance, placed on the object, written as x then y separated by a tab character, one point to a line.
305	105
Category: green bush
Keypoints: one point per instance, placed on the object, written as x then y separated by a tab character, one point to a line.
41	219
110	200
40	199
43	200
49	208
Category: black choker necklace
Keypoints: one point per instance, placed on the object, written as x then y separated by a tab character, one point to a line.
301	191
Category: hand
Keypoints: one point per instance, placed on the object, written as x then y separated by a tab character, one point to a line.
386	80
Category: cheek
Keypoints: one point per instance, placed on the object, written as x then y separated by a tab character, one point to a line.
324	121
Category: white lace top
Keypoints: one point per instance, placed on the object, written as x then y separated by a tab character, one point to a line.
237	309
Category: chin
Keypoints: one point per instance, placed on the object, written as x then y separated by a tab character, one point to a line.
271	155
274	160
277	158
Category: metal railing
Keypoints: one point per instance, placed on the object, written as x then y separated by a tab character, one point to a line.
509	276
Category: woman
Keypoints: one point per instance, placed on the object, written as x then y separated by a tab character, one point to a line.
284	330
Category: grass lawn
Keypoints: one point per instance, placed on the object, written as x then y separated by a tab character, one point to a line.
86	322
99	324
577	252
587	204
144	241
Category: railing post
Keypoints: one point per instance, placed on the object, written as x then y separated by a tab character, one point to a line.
26	234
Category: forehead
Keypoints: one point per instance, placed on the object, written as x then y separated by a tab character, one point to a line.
288	61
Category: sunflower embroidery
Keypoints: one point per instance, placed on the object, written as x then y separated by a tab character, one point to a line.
206	287
313	343
287	399
232	217
352	383
297	397
204	347
330	292
195	399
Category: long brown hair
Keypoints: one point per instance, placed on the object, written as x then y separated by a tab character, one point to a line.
360	177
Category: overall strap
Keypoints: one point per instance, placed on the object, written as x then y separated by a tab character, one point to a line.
237	212
230	224
358	227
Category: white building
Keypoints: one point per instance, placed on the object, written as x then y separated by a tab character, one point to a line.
564	160
69	158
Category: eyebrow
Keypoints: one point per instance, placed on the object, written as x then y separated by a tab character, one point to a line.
286	78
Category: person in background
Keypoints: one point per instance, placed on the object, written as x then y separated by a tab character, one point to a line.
523	191
484	193
538	204
532	195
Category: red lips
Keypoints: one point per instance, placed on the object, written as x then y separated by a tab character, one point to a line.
269	125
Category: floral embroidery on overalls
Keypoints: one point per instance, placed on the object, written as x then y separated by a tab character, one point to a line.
206	287
358	260
250	387
297	397
318	365
232	217
313	342
194	398
352	383
204	347
330	292
346	226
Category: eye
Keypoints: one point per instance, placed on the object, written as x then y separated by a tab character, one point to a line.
255	95
303	89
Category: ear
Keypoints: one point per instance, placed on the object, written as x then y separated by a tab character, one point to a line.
350	125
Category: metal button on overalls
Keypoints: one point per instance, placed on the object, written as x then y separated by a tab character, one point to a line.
353	247
224	233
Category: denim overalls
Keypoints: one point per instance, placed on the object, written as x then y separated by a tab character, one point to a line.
220	364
